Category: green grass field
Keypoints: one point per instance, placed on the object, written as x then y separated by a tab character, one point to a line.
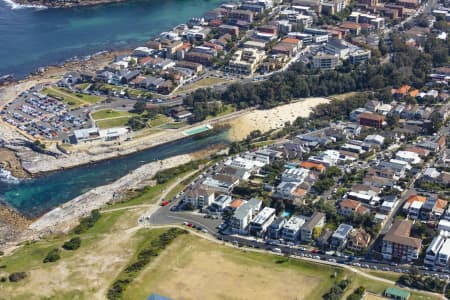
74	100
202	83
109	118
159	120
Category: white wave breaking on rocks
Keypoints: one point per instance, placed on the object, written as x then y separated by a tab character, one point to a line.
14	5
7	177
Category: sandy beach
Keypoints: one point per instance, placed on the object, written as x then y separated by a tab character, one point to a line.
274	118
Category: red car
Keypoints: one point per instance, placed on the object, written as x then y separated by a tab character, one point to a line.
164	203
189	225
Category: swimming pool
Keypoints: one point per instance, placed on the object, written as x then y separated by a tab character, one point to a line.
285	214
197	130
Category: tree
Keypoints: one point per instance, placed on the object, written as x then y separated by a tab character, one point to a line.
139	107
317	231
52	256
436	122
72	244
383	47
392	120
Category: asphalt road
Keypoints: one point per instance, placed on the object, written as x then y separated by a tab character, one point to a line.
164	216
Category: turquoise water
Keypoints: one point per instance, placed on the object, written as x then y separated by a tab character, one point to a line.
36	196
31	38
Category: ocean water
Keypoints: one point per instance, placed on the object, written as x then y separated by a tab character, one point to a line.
33	37
33	197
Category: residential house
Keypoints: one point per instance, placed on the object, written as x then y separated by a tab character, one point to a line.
199	196
371	120
348	207
221	183
275	229
337	47
340	236
323	241
261	222
312	166
358	240
317	220
220	203
243	215
443	257
433	250
325	61
291	229
398	244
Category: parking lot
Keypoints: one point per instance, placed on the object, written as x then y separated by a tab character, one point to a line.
41	116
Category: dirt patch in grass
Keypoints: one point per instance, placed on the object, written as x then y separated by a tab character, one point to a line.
87	272
197	269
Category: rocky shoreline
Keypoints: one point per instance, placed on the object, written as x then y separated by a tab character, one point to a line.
10	162
12	225
15	228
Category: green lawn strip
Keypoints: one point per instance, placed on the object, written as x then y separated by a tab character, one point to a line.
205	82
69	95
82	86
111	113
159	120
173	125
386	275
73	102
147	195
135	93
111	123
153	243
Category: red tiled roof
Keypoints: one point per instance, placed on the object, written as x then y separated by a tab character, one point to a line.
349	203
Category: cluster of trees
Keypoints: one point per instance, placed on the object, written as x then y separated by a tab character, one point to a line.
407	66
145	255
88	222
165	175
338	289
428	283
357	294
327	179
204	102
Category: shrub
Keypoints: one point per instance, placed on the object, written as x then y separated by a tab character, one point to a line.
88	222
17	276
3	279
52	256
168	174
73	244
